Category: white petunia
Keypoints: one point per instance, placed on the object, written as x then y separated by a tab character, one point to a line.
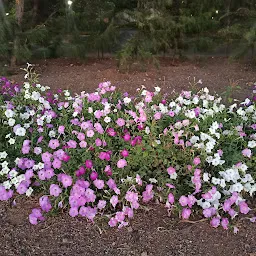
29	191
20	132
11	141
206	177
252	144
127	100
3	155
7	184
157	89
26	85
9	113
52	134
107	119
173	176
147	130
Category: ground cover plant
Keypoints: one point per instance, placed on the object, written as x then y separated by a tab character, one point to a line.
108	154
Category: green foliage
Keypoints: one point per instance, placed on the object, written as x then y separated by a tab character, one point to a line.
137	30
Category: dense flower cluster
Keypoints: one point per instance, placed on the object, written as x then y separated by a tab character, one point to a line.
105	153
7	88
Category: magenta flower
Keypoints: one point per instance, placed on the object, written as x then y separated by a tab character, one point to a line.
40	139
25	150
99	184
81	136
120	216
45	203
98	128
37	150
94	175
125	153
111	184
66	158
55	190
148	194
90	133
224	223
157	115
90	196
138	180
98	142
33	219
171	170
121	163
102	155
171	113
133	198
247	152
183	201
112	222
191	201
61	129
215	222
53	144
22	188
244	207
108	170
171	198
49	173
29	174
120	122
227	205
111	132
196	161
234	198
83	144
232	213
66	180
73	211
72	144
56	163
129	212
209	212
101	204
98	114
37	212
46	157
41	175
127	137
88	164
114	201
186	212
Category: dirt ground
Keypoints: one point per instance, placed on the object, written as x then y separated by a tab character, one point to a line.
152	232
216	73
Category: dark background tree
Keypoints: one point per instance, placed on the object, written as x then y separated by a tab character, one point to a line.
132	29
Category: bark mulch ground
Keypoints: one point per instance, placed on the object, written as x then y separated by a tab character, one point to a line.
152	232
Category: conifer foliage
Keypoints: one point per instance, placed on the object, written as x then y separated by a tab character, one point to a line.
137	30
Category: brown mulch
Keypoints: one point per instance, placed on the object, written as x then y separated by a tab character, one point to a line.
152	232
216	73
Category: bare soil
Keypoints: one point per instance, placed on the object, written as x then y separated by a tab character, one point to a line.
216	73
152	232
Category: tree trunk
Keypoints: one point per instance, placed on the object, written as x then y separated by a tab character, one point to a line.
19	7
35	11
228	7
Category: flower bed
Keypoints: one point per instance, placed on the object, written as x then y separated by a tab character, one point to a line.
105	153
